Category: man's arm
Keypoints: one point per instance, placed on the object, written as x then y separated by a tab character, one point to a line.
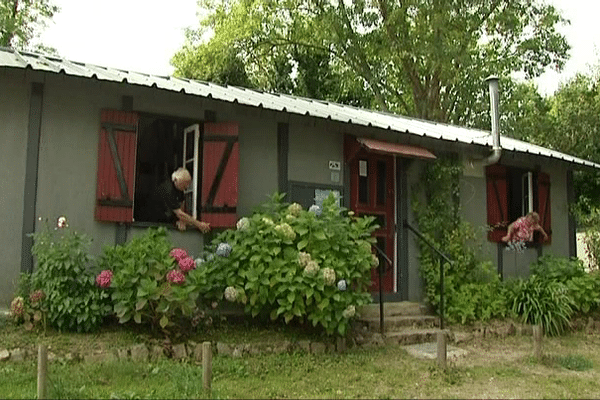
189	220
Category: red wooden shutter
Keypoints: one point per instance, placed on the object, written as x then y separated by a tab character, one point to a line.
220	168
116	166
544	205
497	202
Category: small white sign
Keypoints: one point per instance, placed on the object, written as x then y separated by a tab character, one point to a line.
335	165
335	177
362	167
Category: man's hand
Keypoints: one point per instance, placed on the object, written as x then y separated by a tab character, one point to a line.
181	225
204	227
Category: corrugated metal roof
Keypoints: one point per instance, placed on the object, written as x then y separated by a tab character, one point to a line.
278	102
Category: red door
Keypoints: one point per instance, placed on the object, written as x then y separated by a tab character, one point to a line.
372	193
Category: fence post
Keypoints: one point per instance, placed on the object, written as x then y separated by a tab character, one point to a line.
42	371
441	293
206	366
538	334
441	349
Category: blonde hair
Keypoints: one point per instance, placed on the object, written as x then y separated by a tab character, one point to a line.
181	174
534	215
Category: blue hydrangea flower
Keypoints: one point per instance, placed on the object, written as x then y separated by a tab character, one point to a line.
209	257
342	285
199	261
223	249
315	209
517	246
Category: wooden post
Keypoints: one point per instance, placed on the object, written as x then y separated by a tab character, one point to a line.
538	334
206	366
441	349
42	371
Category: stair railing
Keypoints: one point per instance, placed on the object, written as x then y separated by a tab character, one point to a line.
381	271
443	258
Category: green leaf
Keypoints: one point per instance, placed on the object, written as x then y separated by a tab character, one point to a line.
302	244
164	321
137	317
141	304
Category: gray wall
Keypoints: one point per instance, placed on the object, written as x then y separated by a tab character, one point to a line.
474	199
14	114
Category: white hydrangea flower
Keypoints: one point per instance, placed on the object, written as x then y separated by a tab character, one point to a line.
268	221
231	294
311	268
243	224
223	249
315	209
286	231
294	209
329	276
303	258
349	312
374	260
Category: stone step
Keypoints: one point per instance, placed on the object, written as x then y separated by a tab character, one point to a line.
397	323
392	309
414	336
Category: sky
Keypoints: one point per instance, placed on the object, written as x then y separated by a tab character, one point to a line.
142	35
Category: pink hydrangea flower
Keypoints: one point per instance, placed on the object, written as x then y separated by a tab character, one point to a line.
176	276
178	254
187	264
104	278
36	296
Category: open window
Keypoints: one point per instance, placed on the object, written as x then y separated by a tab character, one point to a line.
137	152
512	193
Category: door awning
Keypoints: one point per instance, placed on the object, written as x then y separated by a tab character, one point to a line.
404	150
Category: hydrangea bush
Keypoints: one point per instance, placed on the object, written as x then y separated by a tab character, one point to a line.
61	289
147	279
292	263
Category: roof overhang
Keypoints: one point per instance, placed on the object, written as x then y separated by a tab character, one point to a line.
398	149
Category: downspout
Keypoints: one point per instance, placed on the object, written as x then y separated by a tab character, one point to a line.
495	115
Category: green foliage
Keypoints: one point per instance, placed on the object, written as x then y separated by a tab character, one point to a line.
289	263
472	287
583	287
575	362
539	301
22	21
588	217
140	289
71	299
408	57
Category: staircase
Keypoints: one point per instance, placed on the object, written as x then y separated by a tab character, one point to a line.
405	322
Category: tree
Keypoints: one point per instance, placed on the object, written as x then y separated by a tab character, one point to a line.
22	20
575	118
421	58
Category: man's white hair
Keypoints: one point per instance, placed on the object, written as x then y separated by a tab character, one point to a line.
181	174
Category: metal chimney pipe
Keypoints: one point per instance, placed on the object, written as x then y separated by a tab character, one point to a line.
495	115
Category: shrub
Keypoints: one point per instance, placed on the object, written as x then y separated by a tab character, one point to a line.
62	284
292	263
147	280
471	286
540	301
583	287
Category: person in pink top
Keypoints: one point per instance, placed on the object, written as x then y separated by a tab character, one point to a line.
522	229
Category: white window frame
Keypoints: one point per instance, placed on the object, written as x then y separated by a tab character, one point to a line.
527	186
194	162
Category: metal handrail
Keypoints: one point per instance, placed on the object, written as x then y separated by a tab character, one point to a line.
380	273
442	258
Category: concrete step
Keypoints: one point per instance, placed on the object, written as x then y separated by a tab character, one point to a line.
414	336
392	309
400	322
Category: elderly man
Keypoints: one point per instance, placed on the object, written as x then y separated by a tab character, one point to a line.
167	202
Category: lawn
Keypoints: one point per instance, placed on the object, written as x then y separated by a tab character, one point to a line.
494	368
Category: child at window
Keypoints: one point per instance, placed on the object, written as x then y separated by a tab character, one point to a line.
522	229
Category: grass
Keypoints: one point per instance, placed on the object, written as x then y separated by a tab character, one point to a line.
493	368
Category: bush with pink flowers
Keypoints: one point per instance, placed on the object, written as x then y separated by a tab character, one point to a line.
147	280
